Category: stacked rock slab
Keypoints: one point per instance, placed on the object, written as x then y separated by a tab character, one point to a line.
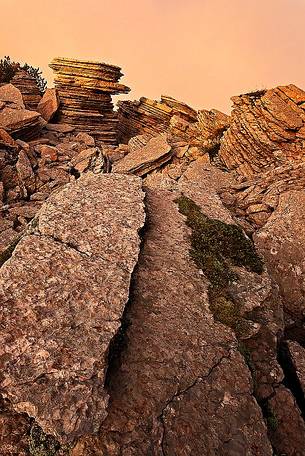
150	116
28	88
267	129
85	90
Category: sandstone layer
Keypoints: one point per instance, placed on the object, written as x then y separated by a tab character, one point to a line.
267	129
150	116
29	89
84	89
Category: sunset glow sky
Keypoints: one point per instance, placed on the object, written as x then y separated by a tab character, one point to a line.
198	51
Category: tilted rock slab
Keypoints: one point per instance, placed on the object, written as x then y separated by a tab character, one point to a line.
267	128
143	160
62	295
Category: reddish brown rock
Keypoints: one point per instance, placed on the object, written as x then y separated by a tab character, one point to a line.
287	432
47	152
281	242
25	172
142	161
81	250
29	89
84	89
267	128
296	354
253	200
16	120
14	432
87	159
10	94
48	105
179	371
6	139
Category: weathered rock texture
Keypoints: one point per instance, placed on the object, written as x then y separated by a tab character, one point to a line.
29	89
48	104
14	118
180	386
253	200
84	90
281	242
267	128
150	116
74	264
143	160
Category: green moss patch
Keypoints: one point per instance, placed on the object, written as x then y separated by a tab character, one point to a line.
216	247
41	444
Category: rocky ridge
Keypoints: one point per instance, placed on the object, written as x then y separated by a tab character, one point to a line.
162	301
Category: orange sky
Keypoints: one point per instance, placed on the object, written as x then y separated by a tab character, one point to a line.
199	51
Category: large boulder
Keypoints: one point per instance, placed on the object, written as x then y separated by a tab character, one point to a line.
63	292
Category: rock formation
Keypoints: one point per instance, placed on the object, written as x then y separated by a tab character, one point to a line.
151	292
48	105
84	90
150	116
14	118
29	89
267	129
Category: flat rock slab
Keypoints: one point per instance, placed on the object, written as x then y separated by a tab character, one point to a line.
62	295
143	160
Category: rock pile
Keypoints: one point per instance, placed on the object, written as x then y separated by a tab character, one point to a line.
84	89
29	89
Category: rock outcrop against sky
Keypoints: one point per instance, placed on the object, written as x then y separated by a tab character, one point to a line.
151	271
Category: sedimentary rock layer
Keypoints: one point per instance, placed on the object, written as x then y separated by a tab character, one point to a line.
28	87
14	118
63	293
267	128
85	89
150	116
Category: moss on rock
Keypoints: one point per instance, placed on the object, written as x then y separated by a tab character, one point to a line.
41	444
216	247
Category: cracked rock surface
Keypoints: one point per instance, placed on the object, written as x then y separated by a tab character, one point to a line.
57	327
179	386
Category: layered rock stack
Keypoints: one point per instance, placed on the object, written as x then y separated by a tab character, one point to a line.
85	90
28	87
267	129
150	116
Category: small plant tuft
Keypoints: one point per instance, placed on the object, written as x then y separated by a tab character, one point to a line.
8	69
